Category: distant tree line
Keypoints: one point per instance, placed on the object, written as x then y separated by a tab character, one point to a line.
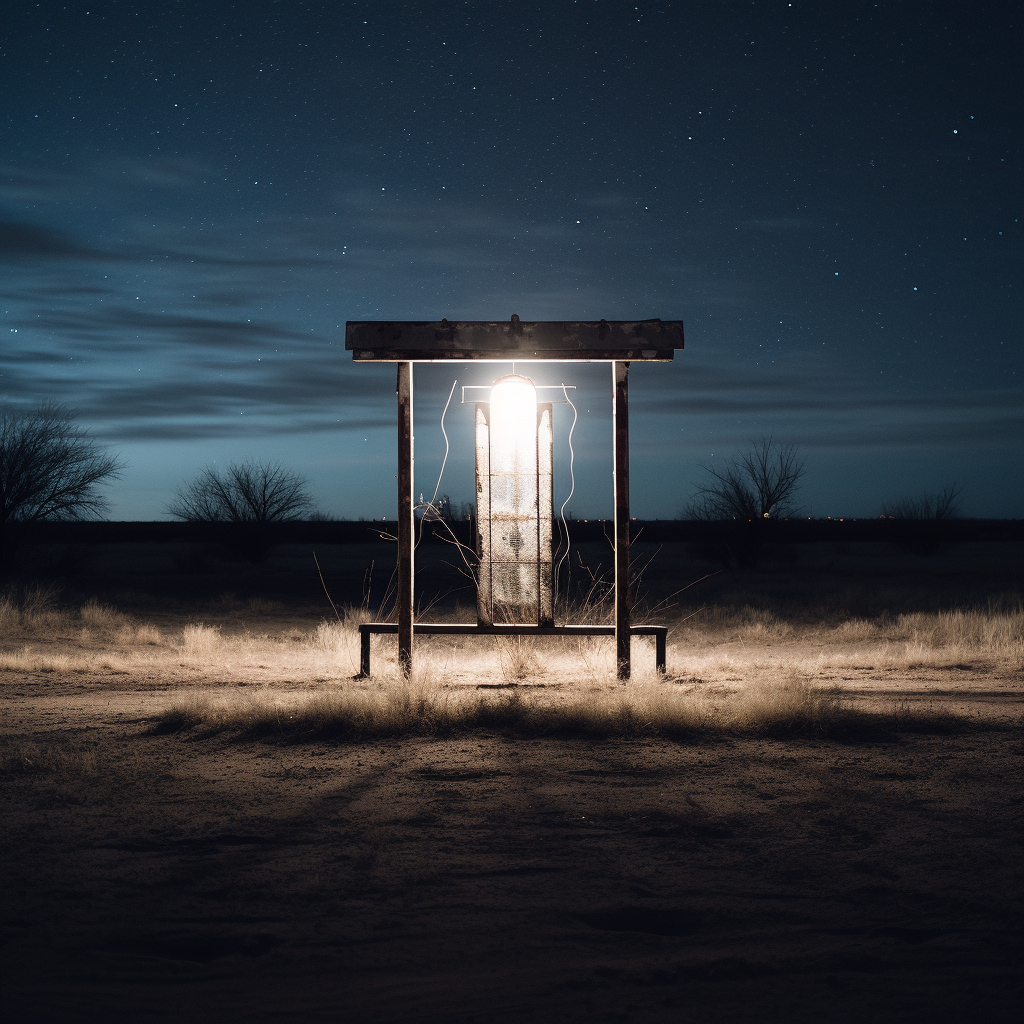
760	485
51	469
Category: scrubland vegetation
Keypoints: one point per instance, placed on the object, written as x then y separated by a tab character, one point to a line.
731	671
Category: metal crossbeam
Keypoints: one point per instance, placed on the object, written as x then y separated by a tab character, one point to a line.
367	629
392	341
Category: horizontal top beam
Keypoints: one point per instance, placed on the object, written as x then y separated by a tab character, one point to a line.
506	629
393	341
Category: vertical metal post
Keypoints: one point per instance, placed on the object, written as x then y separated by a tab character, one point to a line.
364	651
405	597
620	454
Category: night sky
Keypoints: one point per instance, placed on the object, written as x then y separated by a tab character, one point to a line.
195	197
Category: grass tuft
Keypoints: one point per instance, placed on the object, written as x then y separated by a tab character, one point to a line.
28	660
113	624
517	657
186	713
35	607
102	616
968	629
198	640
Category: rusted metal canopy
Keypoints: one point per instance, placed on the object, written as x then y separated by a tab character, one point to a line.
390	341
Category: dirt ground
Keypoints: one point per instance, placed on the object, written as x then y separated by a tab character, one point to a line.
185	877
197	876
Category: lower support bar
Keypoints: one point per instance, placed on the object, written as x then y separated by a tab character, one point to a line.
367	629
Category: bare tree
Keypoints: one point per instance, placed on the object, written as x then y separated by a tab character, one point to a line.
924	524
759	484
928	507
750	489
249	495
248	492
49	468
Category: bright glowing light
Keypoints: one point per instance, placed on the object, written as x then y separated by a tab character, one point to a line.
512	587
513	426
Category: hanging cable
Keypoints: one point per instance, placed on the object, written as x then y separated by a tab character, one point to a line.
430	506
572	488
446	444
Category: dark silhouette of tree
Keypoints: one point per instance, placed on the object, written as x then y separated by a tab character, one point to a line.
743	494
250	496
928	507
49	468
759	484
923	522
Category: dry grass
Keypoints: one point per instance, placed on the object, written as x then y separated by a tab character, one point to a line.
717	624
114	625
336	644
517	658
36	611
186	711
63	760
994	631
34	607
997	631
792	707
199	640
102	616
29	660
746	673
741	671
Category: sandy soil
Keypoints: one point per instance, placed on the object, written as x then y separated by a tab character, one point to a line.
484	879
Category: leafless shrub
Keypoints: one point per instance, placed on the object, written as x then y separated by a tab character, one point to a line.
40	598
49	468
924	522
742	494
248	492
250	496
758	484
944	504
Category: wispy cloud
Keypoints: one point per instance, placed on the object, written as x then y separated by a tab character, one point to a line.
24	241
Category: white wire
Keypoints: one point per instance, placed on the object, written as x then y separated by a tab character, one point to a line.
430	504
446	445
572	488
